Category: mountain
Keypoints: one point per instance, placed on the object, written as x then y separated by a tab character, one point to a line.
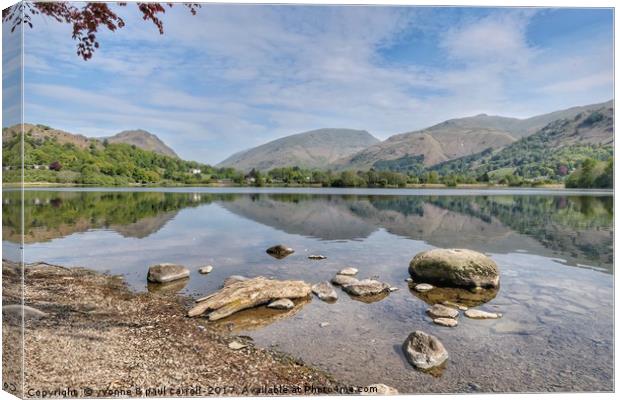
563	142
313	149
454	139
144	140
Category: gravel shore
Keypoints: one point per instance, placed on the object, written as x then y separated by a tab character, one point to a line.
100	339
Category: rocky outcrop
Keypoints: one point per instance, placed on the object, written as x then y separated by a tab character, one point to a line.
246	294
455	268
162	273
424	351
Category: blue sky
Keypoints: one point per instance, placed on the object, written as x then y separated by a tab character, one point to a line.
235	76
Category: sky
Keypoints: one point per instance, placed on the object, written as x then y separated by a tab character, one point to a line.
236	76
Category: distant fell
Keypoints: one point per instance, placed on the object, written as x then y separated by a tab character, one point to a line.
144	140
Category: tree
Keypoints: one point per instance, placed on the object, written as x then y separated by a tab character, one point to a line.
55	166
85	18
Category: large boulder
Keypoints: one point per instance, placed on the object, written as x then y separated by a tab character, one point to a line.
280	251
246	294
455	268
162	273
424	351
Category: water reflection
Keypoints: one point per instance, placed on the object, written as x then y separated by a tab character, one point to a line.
575	228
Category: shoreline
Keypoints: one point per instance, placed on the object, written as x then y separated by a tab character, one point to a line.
100	335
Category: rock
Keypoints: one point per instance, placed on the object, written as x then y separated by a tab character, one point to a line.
379	389
235	345
247	294
317	257
424	351
366	287
393	289
325	291
16	311
206	269
280	251
479	314
281	304
234	279
441	311
409	280
455	305
162	273
423	287
349	271
342	280
324	324
449	322
455	268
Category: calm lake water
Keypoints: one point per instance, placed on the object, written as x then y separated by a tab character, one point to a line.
554	250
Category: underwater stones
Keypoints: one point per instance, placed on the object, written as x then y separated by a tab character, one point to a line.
479	314
366	287
325	291
441	311
424	351
281	304
348	271
246	294
423	287
206	269
449	322
165	272
343	280
280	251
455	268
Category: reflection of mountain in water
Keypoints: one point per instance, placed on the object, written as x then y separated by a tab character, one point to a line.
576	228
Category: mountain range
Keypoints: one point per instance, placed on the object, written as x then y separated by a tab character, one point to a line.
341	149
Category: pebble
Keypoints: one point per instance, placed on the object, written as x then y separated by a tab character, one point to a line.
479	314
317	257
441	311
349	271
423	287
206	269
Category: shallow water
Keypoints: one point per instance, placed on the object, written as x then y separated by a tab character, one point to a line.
554	249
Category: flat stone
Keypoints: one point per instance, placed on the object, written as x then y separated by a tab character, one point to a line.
316	257
342	280
424	351
379	389
423	287
281	304
441	311
325	291
280	251
449	322
350	271
206	269
479	314
235	345
366	287
162	273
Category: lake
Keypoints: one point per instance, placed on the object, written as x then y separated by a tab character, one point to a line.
554	250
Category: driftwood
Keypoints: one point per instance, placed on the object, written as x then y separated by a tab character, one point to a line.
247	294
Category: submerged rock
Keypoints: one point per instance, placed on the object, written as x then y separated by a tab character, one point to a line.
206	269
455	267
449	322
247	294
234	279
343	280
366	287
280	251
349	271
479	314
423	287
325	291
379	389
441	311
281	304
424	351
162	273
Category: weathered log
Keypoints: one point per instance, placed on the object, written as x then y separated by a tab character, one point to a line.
247	294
